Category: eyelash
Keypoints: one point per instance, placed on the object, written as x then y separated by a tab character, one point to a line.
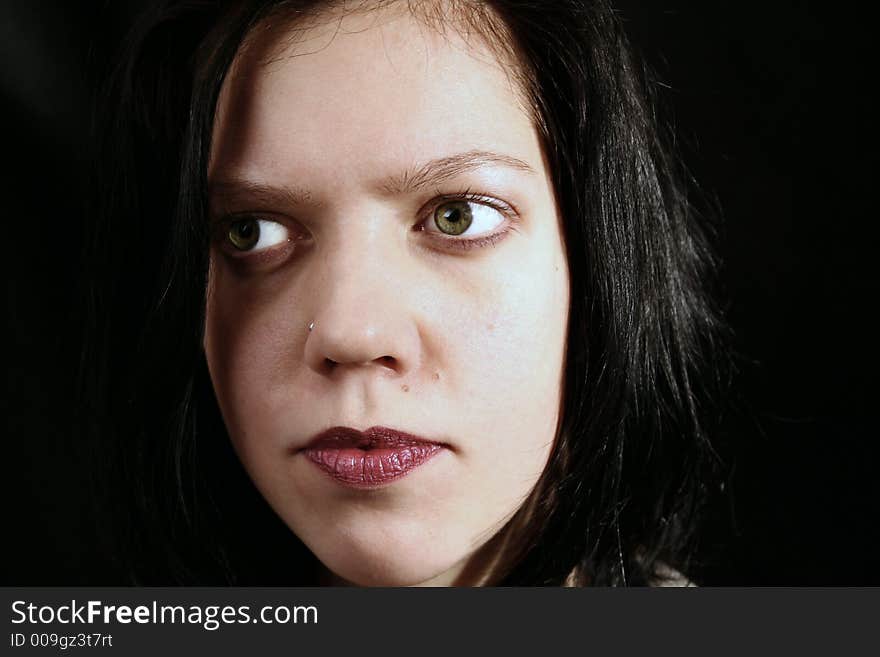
222	224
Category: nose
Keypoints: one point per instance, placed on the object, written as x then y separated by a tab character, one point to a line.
362	320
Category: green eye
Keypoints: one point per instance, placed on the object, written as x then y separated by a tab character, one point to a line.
244	234
453	217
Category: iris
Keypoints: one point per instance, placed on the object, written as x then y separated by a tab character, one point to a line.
453	218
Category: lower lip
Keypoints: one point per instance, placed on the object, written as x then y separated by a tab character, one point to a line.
370	468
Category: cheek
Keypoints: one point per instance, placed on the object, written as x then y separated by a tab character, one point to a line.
250	345
508	358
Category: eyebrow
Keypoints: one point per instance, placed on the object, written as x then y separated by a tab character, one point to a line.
441	169
430	174
230	191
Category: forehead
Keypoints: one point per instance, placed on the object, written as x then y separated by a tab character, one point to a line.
349	93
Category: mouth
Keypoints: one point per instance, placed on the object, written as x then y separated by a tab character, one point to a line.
370	458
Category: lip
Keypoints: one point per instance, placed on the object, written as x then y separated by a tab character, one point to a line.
370	458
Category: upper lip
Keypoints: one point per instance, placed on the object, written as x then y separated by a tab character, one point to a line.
372	438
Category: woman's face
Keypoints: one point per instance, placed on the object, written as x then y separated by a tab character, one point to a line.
383	184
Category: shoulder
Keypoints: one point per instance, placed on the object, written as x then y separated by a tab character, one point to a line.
664	575
667	576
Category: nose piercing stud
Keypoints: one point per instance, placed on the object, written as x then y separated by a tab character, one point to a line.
311	326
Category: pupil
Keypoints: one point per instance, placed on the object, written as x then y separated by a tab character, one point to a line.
452	216
245	229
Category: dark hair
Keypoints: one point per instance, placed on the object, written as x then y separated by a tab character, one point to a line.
622	492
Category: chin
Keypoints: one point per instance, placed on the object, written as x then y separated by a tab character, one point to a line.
384	574
388	562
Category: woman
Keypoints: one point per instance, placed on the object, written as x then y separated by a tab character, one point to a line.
430	265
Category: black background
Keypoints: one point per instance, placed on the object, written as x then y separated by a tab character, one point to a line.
772	113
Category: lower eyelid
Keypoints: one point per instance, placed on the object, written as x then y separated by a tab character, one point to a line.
267	258
467	244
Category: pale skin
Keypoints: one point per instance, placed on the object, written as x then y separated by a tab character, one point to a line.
343	145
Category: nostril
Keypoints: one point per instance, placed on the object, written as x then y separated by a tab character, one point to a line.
387	361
